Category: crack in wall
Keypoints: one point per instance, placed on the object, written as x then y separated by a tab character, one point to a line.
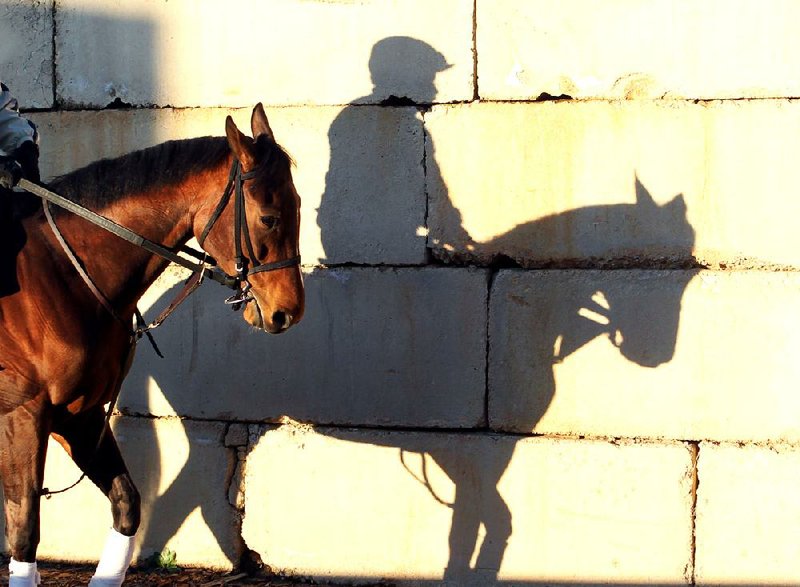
475	91
694	448
487	338
238	444
54	56
428	249
776	446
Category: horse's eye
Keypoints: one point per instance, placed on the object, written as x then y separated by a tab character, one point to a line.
271	222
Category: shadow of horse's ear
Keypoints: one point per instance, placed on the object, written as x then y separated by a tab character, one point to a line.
241	145
678	202
259	123
643	197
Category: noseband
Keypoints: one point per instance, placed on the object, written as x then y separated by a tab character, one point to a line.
241	232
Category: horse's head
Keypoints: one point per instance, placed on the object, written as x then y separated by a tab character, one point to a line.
270	229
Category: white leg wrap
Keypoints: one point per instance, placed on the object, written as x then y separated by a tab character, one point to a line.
22	574
114	562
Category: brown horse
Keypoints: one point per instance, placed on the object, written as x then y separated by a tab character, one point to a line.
64	353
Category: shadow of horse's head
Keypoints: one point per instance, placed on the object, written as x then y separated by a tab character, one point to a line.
643	312
616	276
639	314
645	324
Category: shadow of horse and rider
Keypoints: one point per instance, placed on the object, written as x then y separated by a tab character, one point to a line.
641	322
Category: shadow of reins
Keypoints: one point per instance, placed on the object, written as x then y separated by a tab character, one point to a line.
205	266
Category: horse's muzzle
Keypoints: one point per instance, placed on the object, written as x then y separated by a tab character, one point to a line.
281	321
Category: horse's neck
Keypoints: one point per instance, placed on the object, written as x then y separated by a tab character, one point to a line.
164	215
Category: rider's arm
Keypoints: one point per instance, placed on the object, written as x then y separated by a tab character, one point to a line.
19	152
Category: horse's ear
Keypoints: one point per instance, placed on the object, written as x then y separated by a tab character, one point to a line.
259	123
241	145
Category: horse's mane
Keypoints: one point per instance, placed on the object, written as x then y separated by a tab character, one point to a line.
109	180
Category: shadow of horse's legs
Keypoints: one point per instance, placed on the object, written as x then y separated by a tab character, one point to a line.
169	512
477	501
463	532
174	507
497	522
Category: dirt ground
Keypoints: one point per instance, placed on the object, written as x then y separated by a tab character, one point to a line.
71	575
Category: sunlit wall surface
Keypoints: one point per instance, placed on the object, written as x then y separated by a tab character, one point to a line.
551	256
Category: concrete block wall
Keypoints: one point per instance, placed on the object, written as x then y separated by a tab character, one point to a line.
551	269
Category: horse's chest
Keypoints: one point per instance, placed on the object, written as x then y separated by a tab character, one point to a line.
88	376
65	350
67	377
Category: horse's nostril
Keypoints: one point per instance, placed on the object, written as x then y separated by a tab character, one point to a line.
281	320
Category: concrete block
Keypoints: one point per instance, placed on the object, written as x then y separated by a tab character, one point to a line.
624	183
659	354
748	515
26	52
71	140
396	347
182	53
359	170
632	49
180	469
373	206
413	507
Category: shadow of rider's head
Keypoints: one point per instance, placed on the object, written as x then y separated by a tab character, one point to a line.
405	68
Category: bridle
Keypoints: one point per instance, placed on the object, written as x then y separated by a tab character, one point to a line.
241	232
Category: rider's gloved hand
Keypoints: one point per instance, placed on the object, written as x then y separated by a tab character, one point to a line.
27	155
10	172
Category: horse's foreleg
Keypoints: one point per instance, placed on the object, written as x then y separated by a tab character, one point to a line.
23	446
103	464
